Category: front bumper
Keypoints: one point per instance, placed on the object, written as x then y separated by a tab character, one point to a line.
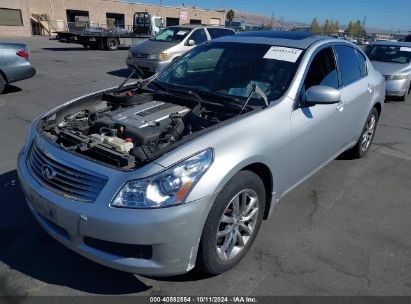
172	234
146	65
397	87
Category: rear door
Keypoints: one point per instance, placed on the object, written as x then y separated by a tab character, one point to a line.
357	89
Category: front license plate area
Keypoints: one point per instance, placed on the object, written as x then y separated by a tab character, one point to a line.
43	207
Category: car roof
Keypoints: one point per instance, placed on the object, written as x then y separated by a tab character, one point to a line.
393	43
193	26
301	40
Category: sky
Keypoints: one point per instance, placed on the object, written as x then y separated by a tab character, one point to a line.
391	15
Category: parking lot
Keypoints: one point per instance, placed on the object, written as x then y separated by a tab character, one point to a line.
346	231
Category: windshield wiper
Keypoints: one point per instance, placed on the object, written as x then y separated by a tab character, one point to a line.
255	89
165	90
224	96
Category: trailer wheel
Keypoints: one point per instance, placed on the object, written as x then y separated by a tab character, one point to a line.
111	44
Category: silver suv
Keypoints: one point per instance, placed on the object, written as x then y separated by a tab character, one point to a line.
154	54
179	170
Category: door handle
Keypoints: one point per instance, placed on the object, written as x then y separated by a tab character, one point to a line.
340	106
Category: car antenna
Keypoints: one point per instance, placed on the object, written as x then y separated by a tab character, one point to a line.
135	70
255	89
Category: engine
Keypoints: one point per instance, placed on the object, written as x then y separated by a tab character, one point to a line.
126	131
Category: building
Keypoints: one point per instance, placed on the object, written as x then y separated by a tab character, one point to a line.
43	17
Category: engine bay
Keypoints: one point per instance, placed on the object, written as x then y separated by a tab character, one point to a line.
129	128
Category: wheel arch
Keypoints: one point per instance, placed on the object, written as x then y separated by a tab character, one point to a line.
378	106
263	172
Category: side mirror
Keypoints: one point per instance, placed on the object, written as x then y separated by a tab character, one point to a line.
322	95
191	42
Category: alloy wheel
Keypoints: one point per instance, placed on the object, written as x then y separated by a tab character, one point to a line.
368	133
237	224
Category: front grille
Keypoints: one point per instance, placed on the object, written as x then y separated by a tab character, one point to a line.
139	55
66	180
121	250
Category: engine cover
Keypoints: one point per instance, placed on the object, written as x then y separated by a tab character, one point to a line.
147	114
143	123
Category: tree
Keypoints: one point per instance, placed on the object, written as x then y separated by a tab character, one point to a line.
230	16
315	26
336	27
327	27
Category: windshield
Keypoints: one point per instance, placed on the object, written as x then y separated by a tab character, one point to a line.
389	53
232	70
172	34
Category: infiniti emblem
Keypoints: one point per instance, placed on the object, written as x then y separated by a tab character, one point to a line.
48	172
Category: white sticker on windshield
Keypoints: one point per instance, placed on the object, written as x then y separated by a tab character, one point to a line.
283	53
405	49
180	33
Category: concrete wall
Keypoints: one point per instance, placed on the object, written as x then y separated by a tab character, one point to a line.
16	31
56	10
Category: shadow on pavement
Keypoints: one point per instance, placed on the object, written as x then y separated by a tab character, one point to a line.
63	49
76	48
123	73
26	248
11	89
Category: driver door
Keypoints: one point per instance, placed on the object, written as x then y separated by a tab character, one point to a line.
317	130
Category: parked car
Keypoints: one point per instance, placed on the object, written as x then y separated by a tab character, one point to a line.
14	63
180	169
392	59
154	54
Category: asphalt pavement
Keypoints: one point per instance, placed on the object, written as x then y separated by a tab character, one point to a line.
346	231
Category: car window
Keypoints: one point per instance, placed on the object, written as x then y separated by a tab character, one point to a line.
204	61
199	36
323	70
232	69
171	34
348	64
362	63
389	53
219	32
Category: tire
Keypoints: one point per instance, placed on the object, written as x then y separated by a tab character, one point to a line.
407	92
111	44
361	148
402	98
2	84
214	255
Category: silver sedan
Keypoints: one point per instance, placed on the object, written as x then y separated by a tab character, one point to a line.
393	60
181	169
14	63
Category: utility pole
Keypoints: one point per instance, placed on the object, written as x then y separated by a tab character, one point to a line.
272	20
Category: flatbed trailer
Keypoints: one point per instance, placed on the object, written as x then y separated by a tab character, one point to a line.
144	27
104	40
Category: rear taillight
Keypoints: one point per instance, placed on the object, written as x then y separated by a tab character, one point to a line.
23	54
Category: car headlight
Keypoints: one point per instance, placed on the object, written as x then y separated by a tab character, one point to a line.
396	77
167	188
161	56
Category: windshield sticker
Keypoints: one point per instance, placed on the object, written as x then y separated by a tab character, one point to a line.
181	33
405	49
283	53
